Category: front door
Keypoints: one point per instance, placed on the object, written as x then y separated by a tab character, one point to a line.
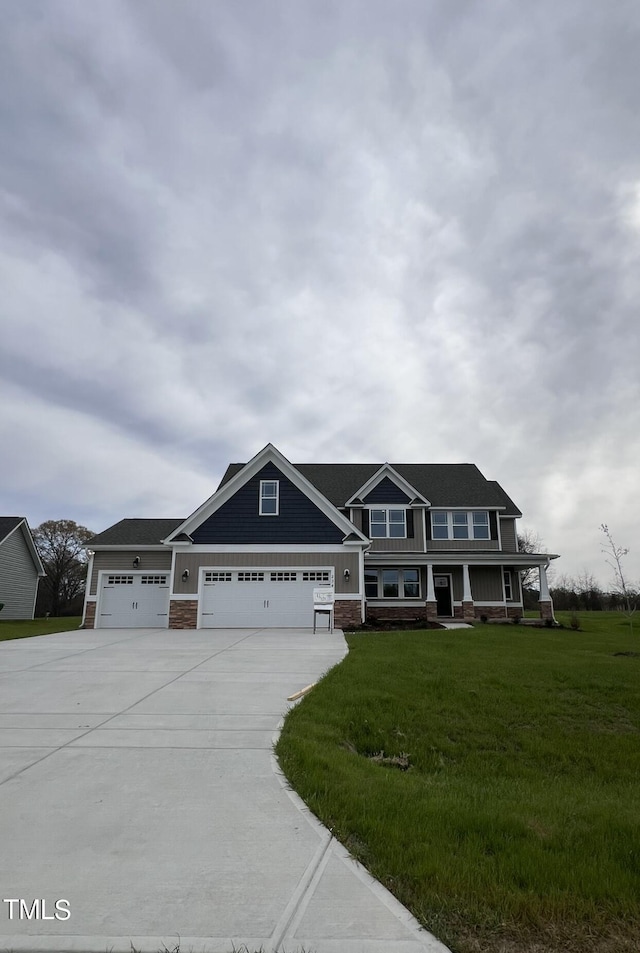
442	586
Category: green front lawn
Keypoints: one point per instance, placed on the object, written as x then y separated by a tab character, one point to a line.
516	826
25	628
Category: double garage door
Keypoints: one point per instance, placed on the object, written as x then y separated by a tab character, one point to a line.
260	598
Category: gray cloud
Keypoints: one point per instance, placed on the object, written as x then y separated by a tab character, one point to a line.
357	230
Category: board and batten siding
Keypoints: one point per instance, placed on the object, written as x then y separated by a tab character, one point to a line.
486	583
508	534
193	561
18	577
122	561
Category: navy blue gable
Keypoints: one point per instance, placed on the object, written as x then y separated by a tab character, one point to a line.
387	492
298	521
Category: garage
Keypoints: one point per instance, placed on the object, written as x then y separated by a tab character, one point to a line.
260	598
134	600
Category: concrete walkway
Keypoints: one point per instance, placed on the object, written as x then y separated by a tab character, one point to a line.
138	783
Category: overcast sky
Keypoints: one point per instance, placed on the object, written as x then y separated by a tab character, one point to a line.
362	230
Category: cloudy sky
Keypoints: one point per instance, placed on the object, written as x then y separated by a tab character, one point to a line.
362	230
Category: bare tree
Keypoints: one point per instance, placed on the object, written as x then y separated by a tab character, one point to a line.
529	542
61	546
614	556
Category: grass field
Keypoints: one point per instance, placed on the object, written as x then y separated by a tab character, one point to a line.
24	629
488	777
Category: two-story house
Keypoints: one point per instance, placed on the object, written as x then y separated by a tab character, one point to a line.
395	541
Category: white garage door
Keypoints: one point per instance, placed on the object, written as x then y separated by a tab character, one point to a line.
260	598
134	600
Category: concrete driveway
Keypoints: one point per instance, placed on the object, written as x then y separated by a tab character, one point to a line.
138	784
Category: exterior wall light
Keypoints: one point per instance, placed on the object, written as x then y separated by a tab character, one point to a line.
185	575
136	562
346	573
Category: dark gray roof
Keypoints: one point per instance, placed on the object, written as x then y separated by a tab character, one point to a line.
8	524
443	484
136	532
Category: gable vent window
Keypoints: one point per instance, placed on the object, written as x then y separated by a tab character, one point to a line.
269	497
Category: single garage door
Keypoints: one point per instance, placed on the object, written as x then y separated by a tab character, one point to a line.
260	598
134	600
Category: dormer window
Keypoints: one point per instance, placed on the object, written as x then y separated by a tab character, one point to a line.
388	523
269	497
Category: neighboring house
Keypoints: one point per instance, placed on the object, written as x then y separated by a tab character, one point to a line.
402	541
20	568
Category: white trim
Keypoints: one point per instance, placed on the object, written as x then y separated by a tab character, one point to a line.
138	547
386	470
467	595
424	530
268	454
458	557
183	597
262	498
498	603
388	603
87	586
266	548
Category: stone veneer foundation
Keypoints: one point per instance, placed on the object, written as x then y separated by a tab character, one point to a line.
183	614
346	613
89	616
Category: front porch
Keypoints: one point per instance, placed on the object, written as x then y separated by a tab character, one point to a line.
456	589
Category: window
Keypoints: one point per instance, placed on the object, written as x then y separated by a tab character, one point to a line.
440	525
283	576
480	524
411	583
370	583
250	577
392	583
269	497
153	580
390	580
460	524
388	523
120	580
317	576
217	576
507	585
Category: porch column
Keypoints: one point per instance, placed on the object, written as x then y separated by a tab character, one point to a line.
432	605
544	601
468	611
